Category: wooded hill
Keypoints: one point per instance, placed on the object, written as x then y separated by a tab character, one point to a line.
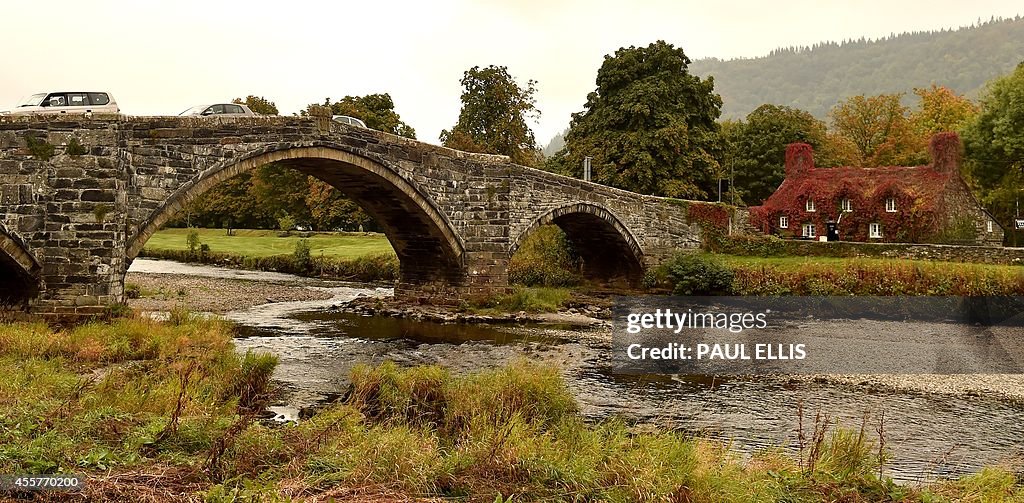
816	78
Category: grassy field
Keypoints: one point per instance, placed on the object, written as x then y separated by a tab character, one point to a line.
264	243
151	411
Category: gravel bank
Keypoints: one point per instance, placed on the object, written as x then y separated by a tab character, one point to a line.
163	292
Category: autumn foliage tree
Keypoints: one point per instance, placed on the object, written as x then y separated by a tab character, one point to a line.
649	126
494	115
879	131
940	110
258	104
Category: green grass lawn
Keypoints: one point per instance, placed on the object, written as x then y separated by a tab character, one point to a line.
263	243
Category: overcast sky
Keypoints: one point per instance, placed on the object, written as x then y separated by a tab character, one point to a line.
161	57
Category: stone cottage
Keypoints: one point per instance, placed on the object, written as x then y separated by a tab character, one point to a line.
897	204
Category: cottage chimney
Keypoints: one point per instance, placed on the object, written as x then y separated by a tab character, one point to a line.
945	149
799	159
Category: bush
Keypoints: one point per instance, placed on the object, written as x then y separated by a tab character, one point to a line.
193	241
132	291
545	259
301	256
694	274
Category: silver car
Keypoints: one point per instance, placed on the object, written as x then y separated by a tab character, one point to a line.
67	102
352	121
221	110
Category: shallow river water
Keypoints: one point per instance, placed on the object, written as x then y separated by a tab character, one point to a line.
929	435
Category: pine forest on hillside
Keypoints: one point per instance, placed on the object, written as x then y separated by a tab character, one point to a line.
816	78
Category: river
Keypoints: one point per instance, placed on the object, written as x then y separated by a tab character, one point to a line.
929	435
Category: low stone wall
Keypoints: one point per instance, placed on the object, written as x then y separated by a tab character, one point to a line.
771	246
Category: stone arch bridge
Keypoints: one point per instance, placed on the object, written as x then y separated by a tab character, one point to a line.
79	197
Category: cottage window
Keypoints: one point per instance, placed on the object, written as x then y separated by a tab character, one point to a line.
988	225
784	223
846	205
810	205
875	231
809	231
890	205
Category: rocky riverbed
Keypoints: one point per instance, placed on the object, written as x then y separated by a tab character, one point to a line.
163	292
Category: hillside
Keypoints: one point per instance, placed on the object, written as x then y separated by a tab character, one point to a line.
816	78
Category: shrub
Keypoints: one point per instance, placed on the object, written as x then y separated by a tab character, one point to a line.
75	148
301	256
192	239
545	258
132	291
286	223
694	274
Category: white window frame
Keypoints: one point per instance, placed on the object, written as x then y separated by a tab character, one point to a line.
875	230
890	205
809	231
846	205
809	205
783	222
988	225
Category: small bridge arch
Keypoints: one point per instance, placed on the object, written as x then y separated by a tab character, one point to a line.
19	269
605	245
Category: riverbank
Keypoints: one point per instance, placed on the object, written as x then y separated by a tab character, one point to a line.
150	411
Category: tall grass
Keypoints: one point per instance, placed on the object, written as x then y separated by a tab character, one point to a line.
164	412
838	277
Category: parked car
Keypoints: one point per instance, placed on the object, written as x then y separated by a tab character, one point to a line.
220	109
352	121
66	102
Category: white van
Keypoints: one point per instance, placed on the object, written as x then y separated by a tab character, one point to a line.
67	102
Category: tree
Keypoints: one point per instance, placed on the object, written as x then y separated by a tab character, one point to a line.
940	110
650	126
879	130
494	114
330	210
282	191
757	148
258	104
376	110
994	144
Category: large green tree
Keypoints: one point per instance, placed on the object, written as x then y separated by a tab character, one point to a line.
376	110
650	126
493	117
994	142
757	148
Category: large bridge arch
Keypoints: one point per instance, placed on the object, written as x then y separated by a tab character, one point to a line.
19	269
428	248
606	246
